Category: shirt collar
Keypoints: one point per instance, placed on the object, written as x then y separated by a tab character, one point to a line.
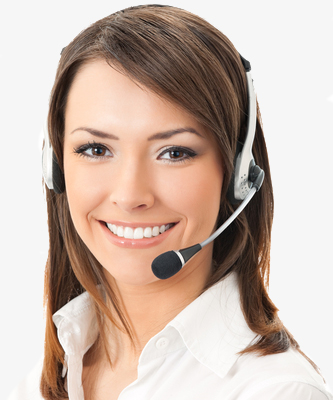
212	327
77	325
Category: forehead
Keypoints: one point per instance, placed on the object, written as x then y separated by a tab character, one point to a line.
106	90
101	94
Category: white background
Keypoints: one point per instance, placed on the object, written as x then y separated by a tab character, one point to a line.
289	45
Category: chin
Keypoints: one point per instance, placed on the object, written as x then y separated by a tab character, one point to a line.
131	274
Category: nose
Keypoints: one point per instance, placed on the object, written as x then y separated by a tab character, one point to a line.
132	188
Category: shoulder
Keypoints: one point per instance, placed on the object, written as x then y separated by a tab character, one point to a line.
28	389
292	390
285	375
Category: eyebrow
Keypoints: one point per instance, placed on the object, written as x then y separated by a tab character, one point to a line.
156	136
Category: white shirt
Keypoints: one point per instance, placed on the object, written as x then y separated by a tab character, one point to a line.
194	357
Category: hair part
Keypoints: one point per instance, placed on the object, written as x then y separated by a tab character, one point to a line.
182	58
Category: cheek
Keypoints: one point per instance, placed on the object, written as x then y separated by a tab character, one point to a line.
195	193
84	191
206	195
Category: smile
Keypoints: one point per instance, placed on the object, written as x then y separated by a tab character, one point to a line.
139	232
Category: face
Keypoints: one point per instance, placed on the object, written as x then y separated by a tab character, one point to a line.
142	176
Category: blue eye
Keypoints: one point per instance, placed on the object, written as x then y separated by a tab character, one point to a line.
177	154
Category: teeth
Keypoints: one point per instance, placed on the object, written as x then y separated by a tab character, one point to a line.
119	231
128	233
147	232
138	233
156	231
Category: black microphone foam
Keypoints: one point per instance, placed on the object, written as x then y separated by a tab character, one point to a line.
166	265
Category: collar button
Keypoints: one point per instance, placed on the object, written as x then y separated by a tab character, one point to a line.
162	343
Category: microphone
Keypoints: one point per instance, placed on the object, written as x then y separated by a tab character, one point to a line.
169	263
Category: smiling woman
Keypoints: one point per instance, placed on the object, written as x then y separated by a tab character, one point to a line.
131	180
150	118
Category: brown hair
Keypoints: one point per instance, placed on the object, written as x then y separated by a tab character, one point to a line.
184	59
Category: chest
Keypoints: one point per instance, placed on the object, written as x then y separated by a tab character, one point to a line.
106	384
178	376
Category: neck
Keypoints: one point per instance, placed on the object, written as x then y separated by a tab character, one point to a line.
149	308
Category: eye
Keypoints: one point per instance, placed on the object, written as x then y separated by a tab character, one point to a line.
93	150
96	151
177	154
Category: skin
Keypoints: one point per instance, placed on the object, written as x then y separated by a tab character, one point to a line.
136	183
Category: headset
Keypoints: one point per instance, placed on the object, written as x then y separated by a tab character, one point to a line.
52	173
246	180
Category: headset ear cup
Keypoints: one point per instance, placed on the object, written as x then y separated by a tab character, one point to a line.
57	176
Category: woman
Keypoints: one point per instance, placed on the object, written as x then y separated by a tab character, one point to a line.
149	108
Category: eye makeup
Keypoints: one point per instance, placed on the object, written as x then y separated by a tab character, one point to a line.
173	154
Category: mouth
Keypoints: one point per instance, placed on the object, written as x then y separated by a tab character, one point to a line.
138	233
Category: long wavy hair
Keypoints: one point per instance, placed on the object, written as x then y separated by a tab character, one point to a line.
187	61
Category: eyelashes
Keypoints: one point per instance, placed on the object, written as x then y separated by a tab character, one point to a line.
98	151
93	150
177	154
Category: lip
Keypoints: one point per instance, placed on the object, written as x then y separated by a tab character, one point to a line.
134	243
